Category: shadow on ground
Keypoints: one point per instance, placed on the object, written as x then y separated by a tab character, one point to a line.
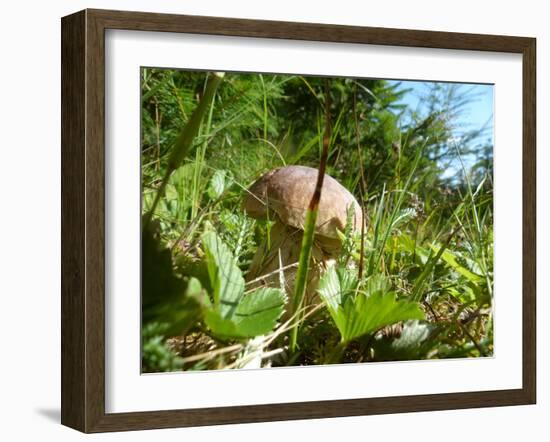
52	414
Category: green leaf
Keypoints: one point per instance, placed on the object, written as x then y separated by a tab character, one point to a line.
377	283
219	182
164	296
413	334
234	314
226	278
405	243
336	285
259	311
256	314
358	313
451	259
415	342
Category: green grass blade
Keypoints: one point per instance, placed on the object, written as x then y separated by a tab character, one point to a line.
185	138
397	207
309	227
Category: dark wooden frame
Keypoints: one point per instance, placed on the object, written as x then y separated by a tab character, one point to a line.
83	216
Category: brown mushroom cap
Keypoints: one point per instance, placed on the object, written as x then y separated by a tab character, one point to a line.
287	192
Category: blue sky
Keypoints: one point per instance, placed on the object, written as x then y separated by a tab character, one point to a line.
474	115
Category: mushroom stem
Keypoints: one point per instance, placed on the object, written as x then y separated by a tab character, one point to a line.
292	196
282	252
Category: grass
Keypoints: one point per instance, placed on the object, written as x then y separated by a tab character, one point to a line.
414	283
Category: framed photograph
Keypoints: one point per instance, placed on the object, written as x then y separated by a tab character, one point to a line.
267	220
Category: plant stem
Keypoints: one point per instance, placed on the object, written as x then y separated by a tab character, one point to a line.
309	228
185	140
363	187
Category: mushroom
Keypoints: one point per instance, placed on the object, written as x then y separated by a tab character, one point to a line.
283	195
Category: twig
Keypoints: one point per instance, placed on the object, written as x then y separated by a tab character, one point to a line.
267	275
210	354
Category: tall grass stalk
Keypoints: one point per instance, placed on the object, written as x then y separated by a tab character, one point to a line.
309	227
394	213
185	139
363	186
265	105
477	223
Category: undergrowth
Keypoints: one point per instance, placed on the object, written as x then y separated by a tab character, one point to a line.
418	284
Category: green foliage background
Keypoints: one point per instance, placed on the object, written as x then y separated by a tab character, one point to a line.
428	246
